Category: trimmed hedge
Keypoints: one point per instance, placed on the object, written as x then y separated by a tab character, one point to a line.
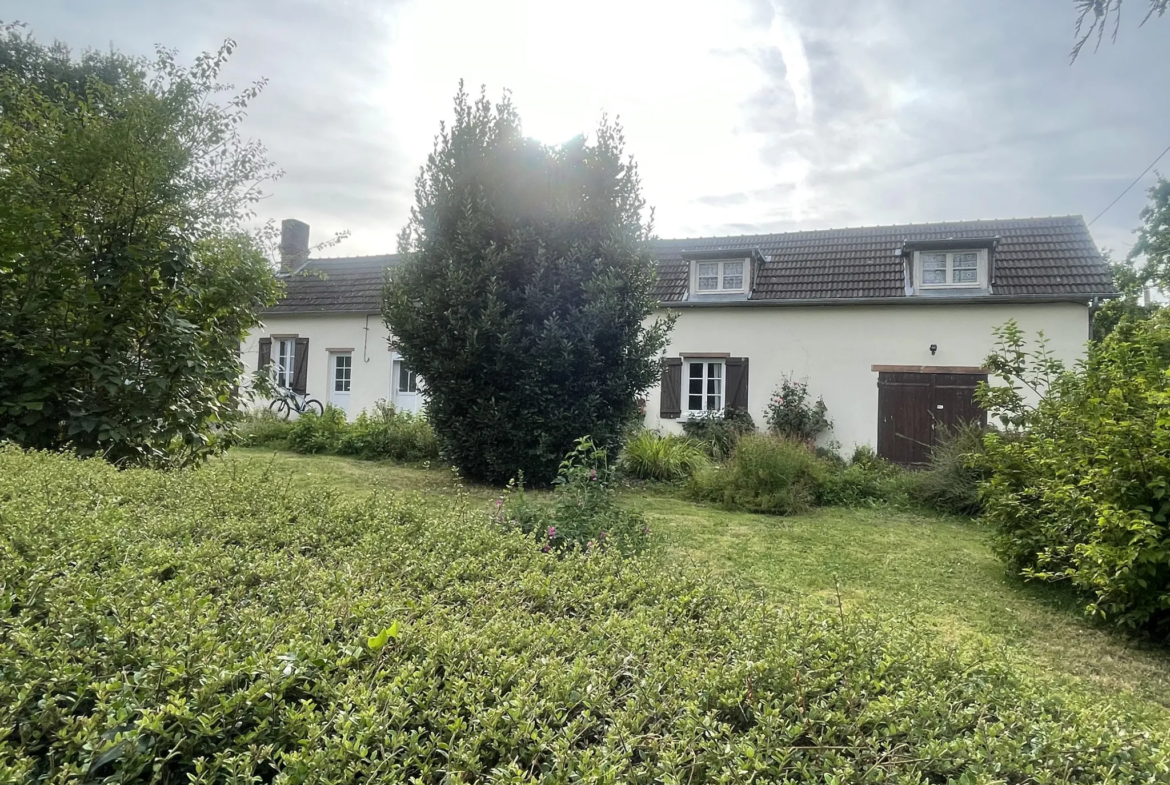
220	625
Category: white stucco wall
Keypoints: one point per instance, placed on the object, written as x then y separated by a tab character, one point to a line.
834	348
364	335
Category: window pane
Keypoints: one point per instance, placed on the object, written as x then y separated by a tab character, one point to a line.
966	276
696	371
694	403
708	284
733	268
732	282
934	276
696	387
934	261
709	268
715	370
965	260
405	378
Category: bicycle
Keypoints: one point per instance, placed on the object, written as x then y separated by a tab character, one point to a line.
289	401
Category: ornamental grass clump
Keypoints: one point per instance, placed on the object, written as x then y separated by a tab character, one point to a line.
222	625
765	473
669	458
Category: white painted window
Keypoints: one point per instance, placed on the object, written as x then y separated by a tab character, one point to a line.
704	392
342	372
720	277
950	269
285	361
407	379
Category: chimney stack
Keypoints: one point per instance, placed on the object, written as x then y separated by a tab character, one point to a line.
294	244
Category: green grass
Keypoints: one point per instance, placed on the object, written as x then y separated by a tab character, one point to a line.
937	572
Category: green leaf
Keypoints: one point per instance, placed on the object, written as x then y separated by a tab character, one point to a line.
377	642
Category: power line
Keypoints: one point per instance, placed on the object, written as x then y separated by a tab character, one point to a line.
1131	185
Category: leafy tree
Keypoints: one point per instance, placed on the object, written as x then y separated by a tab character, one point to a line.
526	293
1147	267
1098	13
126	282
1078	487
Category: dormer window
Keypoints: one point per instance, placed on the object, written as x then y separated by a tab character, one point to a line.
951	269
720	277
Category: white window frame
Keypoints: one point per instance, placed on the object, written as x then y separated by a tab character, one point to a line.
707	377
697	265
282	374
334	358
410	375
980	269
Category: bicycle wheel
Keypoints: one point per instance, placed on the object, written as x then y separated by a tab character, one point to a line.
314	406
280	408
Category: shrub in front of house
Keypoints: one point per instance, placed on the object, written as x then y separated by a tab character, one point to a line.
793	414
718	432
765	473
213	626
664	458
389	433
864	481
314	433
950	482
583	513
1079	486
262	428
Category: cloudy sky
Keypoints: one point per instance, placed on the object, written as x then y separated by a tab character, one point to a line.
744	115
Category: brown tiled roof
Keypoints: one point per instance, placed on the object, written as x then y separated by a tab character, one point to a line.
1033	257
350	284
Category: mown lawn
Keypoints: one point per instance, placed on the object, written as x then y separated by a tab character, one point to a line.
935	572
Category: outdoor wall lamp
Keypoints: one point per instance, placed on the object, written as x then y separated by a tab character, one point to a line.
933	348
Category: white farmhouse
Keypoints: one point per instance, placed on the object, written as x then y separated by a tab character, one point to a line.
889	324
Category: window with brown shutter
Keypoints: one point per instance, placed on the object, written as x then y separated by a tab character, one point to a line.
301	366
265	353
737	383
670	391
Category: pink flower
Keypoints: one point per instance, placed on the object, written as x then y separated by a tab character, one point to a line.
552	532
499	503
546	549
593	474
601	536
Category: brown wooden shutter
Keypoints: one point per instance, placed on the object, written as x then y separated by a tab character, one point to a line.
300	365
737	383
670	392
265	353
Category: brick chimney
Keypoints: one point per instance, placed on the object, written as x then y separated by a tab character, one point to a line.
294	244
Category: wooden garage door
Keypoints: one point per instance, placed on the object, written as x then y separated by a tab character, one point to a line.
915	409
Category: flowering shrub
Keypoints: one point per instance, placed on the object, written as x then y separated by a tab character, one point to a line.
583	512
790	412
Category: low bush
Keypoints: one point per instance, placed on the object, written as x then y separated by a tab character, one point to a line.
651	456
718	432
389	433
764	474
216	626
583	513
262	428
865	482
312	433
950	482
